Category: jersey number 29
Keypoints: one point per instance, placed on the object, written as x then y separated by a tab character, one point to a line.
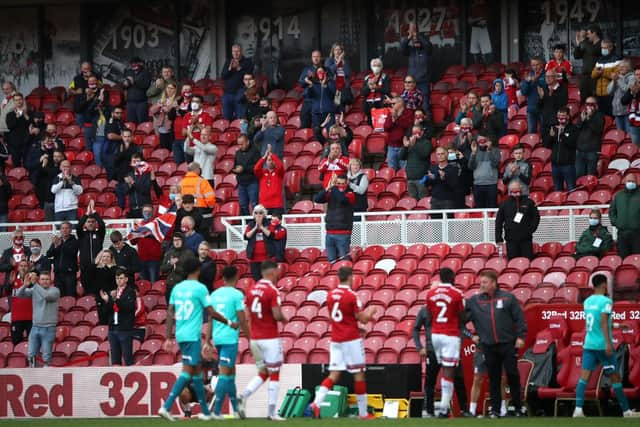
184	310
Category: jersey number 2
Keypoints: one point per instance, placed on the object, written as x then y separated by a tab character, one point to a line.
256	307
442	318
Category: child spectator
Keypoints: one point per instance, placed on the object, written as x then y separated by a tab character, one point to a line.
511	84
519	169
561	66
500	98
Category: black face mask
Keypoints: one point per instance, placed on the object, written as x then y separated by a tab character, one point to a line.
264	110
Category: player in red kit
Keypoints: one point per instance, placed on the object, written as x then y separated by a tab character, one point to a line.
445	309
346	348
263	302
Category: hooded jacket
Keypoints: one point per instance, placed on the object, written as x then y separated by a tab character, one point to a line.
500	98
609	65
419	57
418	157
585	246
624	210
485	164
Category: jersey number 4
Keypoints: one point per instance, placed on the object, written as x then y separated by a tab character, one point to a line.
256	307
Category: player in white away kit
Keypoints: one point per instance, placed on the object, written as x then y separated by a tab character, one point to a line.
263	302
346	349
445	308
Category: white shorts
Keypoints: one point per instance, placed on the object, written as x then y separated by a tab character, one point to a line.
480	41
447	349
267	353
347	356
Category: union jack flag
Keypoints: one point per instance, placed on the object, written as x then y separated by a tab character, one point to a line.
158	227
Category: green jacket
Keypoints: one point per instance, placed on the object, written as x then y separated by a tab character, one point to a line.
418	157
585	244
624	211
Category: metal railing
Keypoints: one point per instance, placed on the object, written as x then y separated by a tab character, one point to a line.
557	224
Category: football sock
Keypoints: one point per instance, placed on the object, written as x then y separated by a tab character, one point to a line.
447	392
472	408
198	387
180	384
360	388
580	389
325	386
622	399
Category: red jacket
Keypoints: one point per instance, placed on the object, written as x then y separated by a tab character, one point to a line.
21	308
339	166
271	183
398	129
149	249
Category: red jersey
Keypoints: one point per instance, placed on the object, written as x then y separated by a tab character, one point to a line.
562	69
21	308
343	306
203	120
444	304
262	297
337	167
270	183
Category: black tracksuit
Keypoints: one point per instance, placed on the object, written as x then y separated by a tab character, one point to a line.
518	232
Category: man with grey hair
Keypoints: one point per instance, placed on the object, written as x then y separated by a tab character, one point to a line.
398	122
192	239
519	217
8	90
233	71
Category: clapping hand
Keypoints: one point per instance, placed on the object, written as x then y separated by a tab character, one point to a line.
474	147
540	92
104	295
580	36
441	173
91	207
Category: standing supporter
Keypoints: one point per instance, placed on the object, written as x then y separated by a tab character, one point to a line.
632	99
173	263
45	315
624	212
7	104
180	123
246	158
358	183
334	165
149	249
114	130
470	108
376	88
419	49
338	67
49	169
159	87
322	92
168	200
187	208
137	80
501	332
124	255
21	307
590	128
270	134
417	154
66	188
398	122
306	81
443	178
518	170
264	301
137	184
204	152
619	86
15	253
37	261
465	137
163	112
205	198
18	129
511	86
346	348
266	240
559	65
519	217
90	232
101	277
412	96
561	138
499	98
120	307
194	122
531	87
96	115
192	238
263	107
596	239
84	106
123	166
606	66
588	48
339	133
493	120
64	252
339	218
485	161
193	294
233	71
208	268
270	173
456	158
551	98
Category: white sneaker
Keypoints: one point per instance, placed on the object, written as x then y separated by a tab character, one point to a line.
165	414
631	413
577	413
425	414
204	417
217	417
276	417
242	407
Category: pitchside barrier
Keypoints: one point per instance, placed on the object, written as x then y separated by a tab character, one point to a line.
557	224
138	391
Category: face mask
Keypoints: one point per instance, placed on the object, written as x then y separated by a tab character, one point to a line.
515	194
630	185
451	157
593	222
146	215
482	146
184	229
36	250
135	67
562	121
605	52
136	164
92	86
334	137
18	242
376	69
416	134
172	197
465	130
342	187
264	110
195	106
275	221
187	94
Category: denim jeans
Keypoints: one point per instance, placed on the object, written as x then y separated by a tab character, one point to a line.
634	131
562	174
247	195
178	151
98	144
485	196
533	121
586	163
393	158
338	246
150	270
415	189
4	218
122	189
622	123
69	215
41	338
109	150
425	87
89	131
305	114
121	344
232	107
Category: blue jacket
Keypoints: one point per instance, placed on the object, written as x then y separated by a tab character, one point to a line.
500	99
332	67
233	78
530	90
308	71
443	189
322	97
419	58
273	136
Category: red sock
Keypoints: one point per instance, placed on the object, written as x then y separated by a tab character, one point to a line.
327	383
275	376
360	387
263	375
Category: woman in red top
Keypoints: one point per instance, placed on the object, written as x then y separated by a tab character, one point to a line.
21	308
261	235
270	173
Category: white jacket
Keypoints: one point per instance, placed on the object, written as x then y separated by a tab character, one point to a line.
4	110
66	195
205	155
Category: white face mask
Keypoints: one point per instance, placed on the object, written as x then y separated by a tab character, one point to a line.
376	69
195	106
